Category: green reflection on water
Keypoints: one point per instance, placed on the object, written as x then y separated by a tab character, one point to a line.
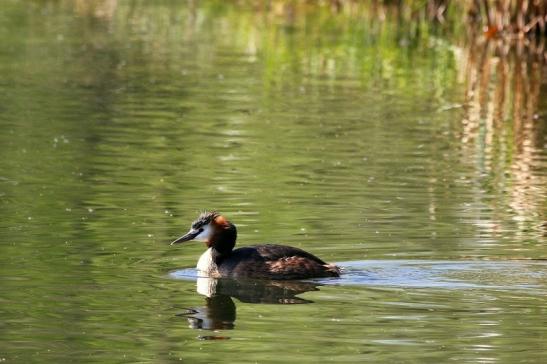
352	139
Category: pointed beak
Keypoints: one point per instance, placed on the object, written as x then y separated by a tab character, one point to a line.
188	236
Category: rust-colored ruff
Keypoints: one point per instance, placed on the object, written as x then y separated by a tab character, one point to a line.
221	221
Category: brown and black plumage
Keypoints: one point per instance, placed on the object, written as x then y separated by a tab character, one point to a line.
258	261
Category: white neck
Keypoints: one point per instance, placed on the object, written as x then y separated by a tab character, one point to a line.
206	265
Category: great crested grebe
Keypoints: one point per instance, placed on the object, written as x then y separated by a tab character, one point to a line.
258	261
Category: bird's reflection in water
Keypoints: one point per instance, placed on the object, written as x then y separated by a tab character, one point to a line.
219	312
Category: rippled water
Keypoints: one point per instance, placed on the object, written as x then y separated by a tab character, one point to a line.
416	163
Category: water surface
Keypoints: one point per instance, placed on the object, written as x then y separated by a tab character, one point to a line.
415	161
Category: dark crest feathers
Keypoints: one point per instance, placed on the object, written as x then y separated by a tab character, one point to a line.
205	218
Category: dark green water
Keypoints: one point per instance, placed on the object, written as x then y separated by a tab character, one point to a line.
121	120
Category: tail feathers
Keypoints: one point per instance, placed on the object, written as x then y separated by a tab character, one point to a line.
335	270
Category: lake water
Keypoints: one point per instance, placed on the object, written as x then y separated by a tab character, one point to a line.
414	161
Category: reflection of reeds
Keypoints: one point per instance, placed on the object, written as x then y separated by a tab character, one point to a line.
495	18
509	16
502	62
499	17
501	129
